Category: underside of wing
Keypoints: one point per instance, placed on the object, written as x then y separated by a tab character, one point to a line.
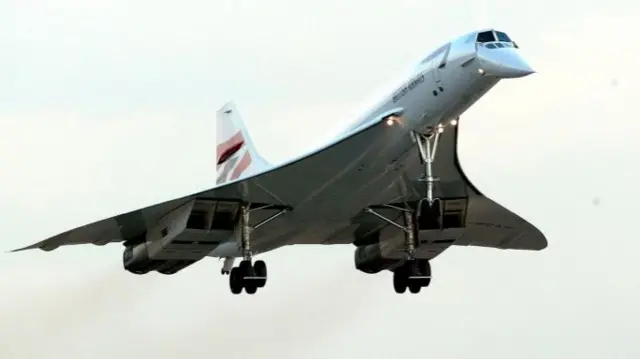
217	210
467	218
114	229
488	224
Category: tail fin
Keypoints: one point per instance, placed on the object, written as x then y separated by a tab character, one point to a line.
235	153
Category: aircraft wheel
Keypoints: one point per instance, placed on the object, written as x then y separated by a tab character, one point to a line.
244	267
246	270
414	286
250	287
260	270
235	281
427	272
399	281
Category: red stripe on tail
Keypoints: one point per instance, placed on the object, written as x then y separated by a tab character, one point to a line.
242	166
229	147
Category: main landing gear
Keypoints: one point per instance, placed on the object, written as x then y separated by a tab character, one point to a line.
248	275
415	273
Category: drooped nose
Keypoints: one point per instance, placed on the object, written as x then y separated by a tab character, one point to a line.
503	62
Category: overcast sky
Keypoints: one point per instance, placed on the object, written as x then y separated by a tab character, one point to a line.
97	98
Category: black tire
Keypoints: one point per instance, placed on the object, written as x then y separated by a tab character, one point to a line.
426	271
250	285
246	270
245	267
260	270
235	281
399	281
419	268
414	286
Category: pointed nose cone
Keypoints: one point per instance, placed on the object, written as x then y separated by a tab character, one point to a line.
503	62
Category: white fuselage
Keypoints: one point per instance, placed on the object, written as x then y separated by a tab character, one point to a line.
439	89
430	93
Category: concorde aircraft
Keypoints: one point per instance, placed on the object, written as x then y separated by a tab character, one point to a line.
390	184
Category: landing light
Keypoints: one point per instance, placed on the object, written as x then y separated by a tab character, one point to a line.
453	122
391	120
480	71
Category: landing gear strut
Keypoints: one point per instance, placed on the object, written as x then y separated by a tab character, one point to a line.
427	147
247	275
227	266
414	273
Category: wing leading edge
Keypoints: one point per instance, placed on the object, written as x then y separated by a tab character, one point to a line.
486	223
278	186
489	224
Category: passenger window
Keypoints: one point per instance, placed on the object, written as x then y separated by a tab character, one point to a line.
502	36
486	36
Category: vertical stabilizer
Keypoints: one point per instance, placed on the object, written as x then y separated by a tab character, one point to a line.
236	155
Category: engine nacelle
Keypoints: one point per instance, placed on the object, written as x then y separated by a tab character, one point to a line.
369	259
136	259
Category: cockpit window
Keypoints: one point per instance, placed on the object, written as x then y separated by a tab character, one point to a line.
502	36
486	36
490	46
